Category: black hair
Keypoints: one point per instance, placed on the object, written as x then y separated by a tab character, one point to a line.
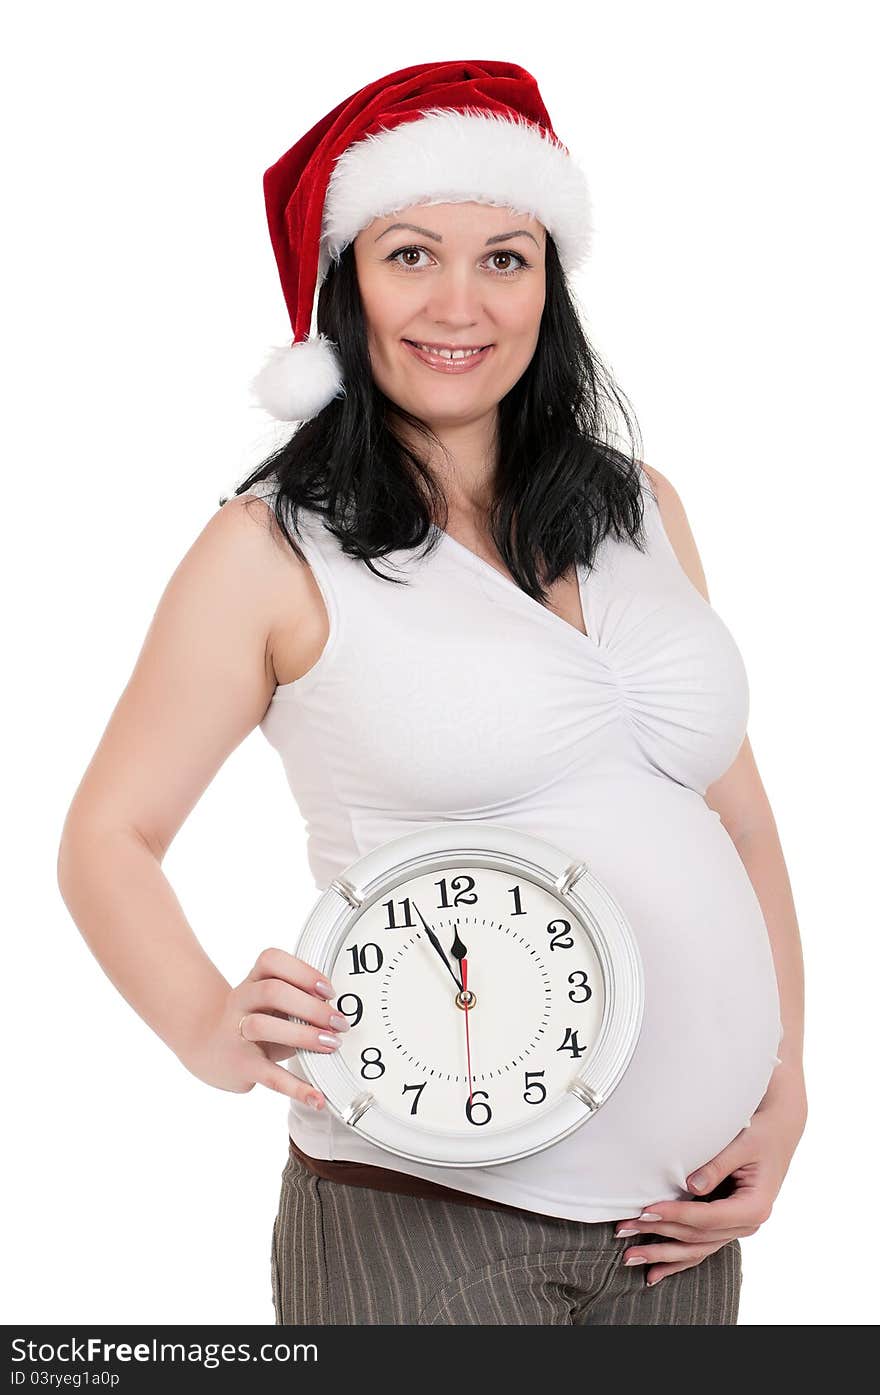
560	483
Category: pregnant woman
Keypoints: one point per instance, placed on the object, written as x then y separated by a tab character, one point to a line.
448	596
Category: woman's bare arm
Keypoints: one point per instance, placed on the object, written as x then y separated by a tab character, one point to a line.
201	683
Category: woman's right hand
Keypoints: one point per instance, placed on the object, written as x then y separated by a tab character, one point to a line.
278	984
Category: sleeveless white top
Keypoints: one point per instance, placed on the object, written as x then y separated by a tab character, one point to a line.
458	696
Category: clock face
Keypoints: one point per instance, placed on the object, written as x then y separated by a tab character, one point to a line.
474	997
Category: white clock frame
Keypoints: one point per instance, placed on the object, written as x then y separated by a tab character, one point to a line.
475	844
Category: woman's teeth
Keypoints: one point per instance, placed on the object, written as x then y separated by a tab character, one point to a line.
447	353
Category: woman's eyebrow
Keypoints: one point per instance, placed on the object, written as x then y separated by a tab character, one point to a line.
426	232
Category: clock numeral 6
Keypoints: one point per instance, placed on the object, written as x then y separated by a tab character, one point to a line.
355	1013
561	937
582	975
360	957
375	1061
470	1107
534	1085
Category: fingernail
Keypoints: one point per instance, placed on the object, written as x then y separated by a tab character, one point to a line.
327	1039
650	1216
314	1101
326	989
626	1232
698	1181
652	1282
636	1259
341	1024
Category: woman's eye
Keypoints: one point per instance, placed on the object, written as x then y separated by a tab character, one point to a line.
509	271
405	252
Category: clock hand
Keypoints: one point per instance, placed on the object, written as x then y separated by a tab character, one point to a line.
467	1033
437	945
458	951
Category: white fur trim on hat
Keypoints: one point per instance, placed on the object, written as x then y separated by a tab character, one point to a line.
298	380
448	156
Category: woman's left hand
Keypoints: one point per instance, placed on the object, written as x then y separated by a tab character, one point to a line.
755	1162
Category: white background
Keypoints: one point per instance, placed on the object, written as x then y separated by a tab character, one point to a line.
733	292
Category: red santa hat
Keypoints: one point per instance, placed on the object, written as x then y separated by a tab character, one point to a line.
432	133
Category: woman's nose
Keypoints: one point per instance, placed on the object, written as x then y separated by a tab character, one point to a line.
455	299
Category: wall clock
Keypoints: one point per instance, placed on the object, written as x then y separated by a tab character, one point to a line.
494	990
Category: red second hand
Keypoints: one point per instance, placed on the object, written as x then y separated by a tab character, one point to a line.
467	1033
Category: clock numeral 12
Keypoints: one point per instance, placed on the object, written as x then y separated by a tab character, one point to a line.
466	885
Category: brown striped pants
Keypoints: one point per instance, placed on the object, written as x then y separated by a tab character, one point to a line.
353	1255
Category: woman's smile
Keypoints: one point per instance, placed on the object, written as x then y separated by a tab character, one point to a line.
448	360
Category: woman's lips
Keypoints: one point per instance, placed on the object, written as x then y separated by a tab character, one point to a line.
449	365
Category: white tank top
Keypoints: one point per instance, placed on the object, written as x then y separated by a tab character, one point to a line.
458	696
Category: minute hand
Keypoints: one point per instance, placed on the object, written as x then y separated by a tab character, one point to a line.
439	948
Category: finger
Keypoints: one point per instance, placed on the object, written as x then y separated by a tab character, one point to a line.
274	995
284	1082
737	1213
260	1027
688	1234
683	1255
661	1271
277	963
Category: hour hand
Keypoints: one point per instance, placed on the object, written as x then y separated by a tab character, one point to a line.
439	948
459	952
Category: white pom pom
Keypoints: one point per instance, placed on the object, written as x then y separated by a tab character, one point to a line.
298	380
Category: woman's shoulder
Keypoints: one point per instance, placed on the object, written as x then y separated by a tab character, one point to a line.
653	475
253	533
653	480
283	583
301	522
676	526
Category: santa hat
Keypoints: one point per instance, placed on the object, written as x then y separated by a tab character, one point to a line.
432	133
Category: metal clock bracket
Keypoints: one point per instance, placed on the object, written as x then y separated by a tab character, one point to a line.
577	1087
348	892
358	1107
571	874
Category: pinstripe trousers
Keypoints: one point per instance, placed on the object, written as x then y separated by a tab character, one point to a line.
354	1255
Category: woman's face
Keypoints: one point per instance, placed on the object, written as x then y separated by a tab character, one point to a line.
461	275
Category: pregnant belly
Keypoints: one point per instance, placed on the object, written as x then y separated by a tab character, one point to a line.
712	1025
711	1028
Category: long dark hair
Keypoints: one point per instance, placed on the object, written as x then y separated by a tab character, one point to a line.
560	483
